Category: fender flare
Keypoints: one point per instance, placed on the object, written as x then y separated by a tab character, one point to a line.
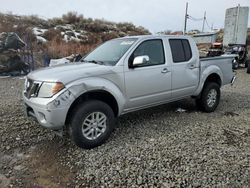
82	86
212	69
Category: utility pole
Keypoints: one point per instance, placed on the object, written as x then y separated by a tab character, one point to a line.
204	19
186	17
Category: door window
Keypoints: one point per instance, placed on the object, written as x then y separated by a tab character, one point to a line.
151	48
180	49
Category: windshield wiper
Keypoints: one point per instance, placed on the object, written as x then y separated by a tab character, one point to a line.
95	62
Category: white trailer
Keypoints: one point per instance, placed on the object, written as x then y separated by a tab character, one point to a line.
236	23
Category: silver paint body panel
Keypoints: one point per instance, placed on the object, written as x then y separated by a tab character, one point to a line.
133	89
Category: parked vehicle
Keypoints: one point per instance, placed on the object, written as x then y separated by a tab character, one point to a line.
241	52
121	76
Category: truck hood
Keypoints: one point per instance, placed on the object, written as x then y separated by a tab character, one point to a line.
70	72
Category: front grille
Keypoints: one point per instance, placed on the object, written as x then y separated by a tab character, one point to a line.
31	88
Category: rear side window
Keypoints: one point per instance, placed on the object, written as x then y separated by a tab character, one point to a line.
180	49
187	50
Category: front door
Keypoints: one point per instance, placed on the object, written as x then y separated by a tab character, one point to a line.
149	83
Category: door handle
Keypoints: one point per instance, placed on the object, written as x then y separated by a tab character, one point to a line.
192	66
165	70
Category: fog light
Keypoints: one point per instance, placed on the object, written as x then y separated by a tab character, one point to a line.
42	117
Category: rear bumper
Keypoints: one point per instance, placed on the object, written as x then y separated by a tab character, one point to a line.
50	113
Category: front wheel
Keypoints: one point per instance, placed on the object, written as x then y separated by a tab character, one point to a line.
210	97
92	124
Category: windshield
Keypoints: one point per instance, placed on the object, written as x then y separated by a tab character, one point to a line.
110	52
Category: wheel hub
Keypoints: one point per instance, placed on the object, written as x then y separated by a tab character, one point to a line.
94	125
212	97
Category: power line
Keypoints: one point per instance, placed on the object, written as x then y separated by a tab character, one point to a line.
207	24
204	19
194	19
189	17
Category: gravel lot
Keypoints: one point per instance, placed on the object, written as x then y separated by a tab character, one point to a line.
157	147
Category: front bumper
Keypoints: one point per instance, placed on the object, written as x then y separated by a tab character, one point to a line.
51	113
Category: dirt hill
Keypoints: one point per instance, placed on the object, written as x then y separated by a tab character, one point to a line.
71	33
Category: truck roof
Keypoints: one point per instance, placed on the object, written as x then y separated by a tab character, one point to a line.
157	36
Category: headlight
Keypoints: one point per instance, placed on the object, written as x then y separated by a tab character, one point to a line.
48	89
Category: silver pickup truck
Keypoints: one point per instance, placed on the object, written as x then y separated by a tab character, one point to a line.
121	76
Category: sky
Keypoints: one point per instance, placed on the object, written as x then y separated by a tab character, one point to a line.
155	15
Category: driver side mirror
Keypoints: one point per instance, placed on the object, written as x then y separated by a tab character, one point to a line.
140	60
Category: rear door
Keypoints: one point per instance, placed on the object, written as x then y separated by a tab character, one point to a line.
185	68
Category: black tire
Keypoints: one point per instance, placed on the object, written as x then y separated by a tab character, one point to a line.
81	114
236	66
246	64
248	69
202	102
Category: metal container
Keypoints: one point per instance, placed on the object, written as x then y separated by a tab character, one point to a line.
236	22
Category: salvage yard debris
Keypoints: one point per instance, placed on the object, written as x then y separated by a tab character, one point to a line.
231	114
180	110
10	41
11	62
65	60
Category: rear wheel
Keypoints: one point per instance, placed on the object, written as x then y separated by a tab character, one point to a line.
248	69
246	64
210	97
92	124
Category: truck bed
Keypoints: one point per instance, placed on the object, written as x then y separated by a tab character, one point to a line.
222	62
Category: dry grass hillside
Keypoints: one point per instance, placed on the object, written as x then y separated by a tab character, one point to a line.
71	33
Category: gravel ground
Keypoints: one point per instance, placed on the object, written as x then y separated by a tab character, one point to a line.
158	147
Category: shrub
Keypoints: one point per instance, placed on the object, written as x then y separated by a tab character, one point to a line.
62	49
52	34
55	21
109	36
72	18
